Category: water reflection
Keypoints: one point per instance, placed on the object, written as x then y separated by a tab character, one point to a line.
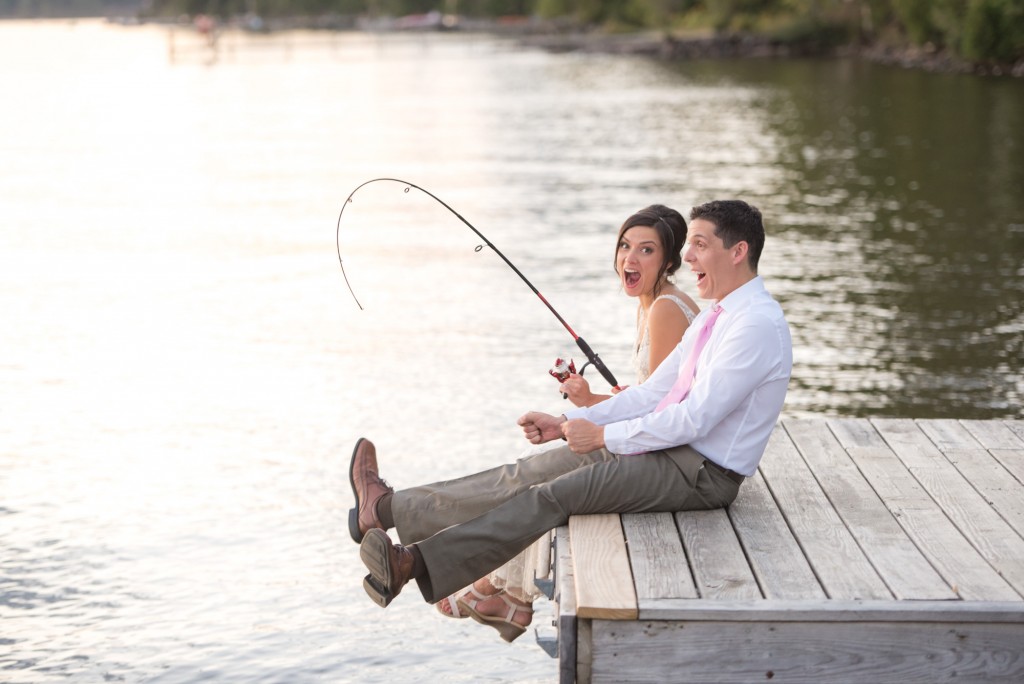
901	201
185	372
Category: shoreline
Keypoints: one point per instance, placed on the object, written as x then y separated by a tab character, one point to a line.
559	36
750	46
563	35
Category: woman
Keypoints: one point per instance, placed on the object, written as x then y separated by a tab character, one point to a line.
648	252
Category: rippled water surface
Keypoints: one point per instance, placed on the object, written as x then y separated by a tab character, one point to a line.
183	371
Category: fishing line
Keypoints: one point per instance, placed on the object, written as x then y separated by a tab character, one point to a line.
592	358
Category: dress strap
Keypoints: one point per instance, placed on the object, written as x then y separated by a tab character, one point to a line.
687	311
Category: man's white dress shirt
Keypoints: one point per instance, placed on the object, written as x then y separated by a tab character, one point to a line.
736	396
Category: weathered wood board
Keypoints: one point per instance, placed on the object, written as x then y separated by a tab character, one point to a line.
862	550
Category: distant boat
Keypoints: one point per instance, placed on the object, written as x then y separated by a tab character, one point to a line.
431	21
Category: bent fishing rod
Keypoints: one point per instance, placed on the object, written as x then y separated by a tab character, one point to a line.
592	357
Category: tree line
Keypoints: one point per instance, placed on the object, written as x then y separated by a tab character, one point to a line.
976	30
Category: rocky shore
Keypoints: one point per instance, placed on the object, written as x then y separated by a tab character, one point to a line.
710	46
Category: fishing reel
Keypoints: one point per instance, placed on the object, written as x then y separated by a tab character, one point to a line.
563	369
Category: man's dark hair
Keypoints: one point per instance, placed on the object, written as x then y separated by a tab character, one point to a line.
735	221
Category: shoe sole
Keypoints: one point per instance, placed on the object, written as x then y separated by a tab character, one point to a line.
374	554
353	514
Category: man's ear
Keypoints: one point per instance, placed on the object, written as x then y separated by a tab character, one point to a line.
738	252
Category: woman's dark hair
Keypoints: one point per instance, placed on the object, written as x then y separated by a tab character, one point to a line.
671	228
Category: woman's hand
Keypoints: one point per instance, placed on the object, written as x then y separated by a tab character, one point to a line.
578	391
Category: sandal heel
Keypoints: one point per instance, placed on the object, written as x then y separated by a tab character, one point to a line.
506	626
508	631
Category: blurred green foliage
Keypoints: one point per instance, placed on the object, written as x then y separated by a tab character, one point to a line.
978	30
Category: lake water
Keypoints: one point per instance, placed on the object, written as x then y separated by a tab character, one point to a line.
183	372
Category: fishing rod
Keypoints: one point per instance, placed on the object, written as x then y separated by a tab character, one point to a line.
592	357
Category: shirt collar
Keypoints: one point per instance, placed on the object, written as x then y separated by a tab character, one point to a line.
742	294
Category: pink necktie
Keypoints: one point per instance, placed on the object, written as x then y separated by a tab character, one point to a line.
682	385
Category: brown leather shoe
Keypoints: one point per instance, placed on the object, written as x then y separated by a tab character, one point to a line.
367	487
390	566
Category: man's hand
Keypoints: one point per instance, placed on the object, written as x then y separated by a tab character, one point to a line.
541	427
583	436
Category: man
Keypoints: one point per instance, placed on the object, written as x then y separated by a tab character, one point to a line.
683	440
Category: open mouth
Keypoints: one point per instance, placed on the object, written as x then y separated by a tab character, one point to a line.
631	278
701	276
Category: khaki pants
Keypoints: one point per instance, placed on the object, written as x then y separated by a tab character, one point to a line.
466	528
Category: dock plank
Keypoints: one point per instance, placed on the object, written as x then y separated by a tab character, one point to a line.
660	568
993	481
984	528
720	569
838	562
818	653
1003	439
1012	460
604	582
834	610
774	555
855	432
967	573
903	567
565	603
993	434
948	433
1016	427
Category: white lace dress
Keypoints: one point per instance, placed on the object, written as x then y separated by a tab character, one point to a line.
642	354
517	577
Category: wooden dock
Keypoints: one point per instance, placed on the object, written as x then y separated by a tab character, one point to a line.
862	551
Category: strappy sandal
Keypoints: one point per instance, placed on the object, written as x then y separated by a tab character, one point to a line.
507	628
453	606
453	602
